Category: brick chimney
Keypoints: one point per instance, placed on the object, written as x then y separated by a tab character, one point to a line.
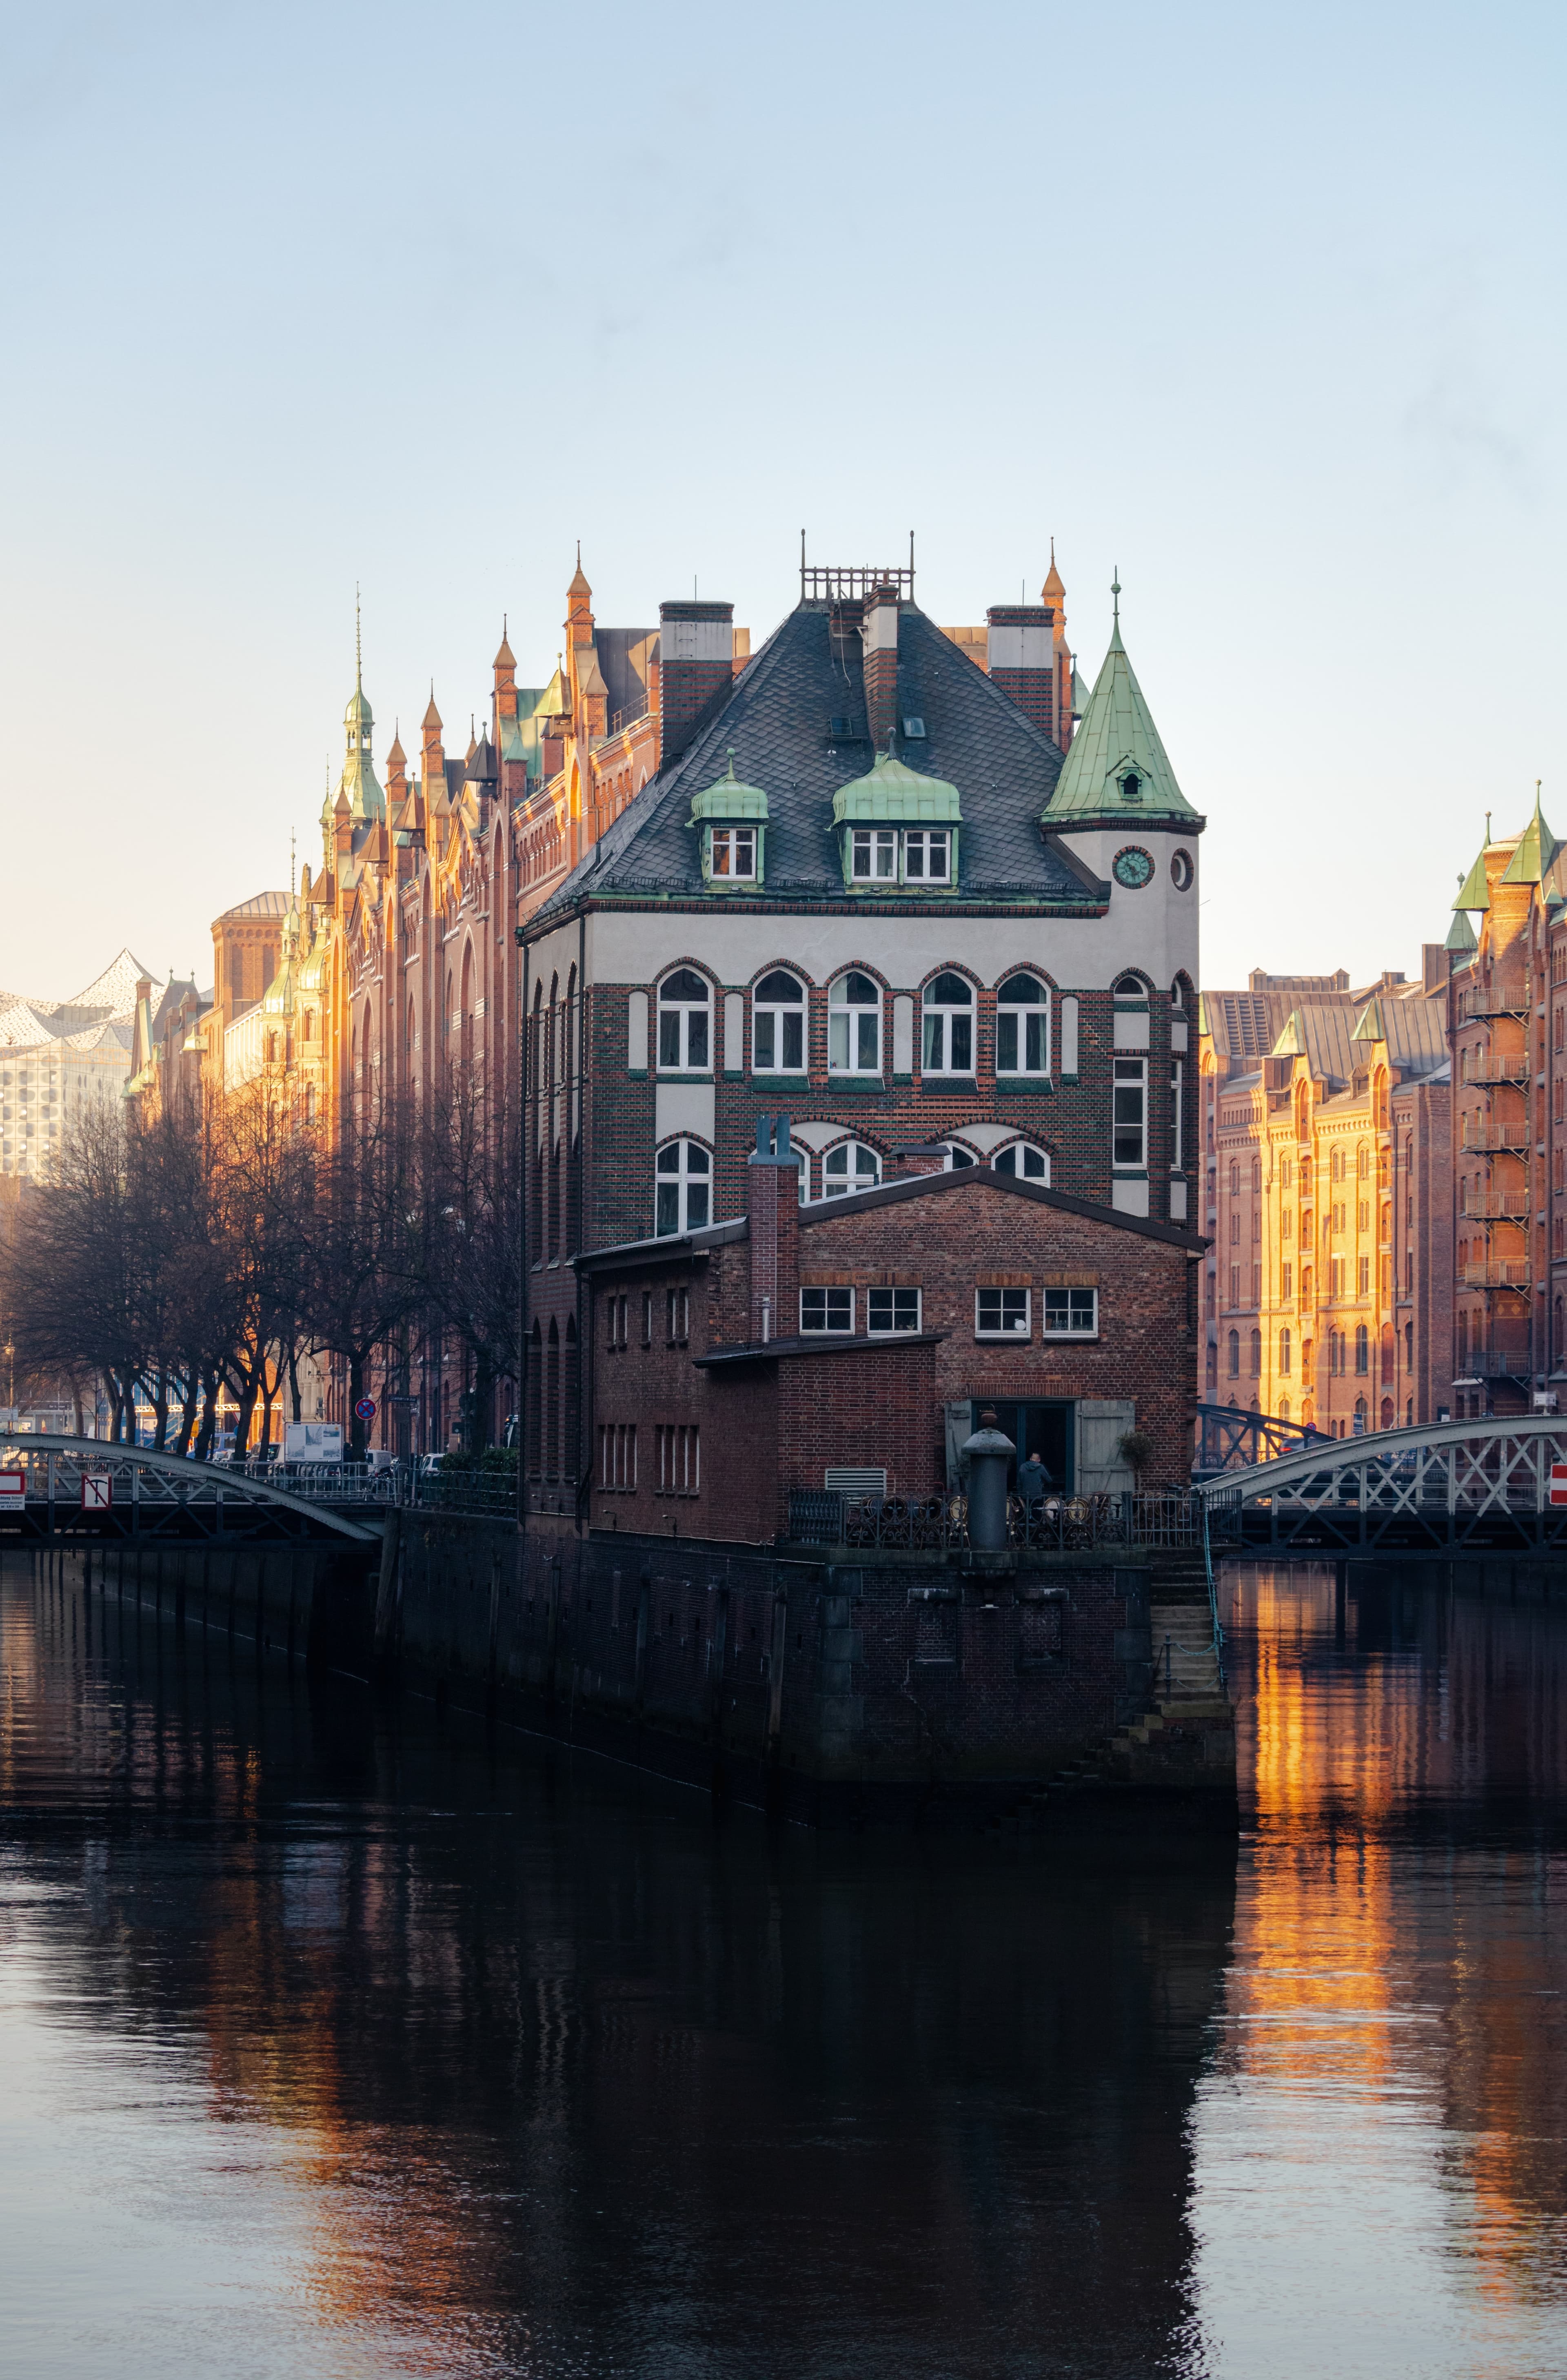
1020	658
773	1194
878	634
695	666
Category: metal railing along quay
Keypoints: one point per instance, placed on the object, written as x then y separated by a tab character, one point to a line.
1166	1518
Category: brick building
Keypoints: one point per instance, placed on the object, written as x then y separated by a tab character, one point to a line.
869	885
855	1341
1327	1172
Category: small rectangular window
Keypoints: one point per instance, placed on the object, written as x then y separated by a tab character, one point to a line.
891	1309
873	855
1365	1276
1130	1138
1286	1281
678	1448
926	855
734	851
1001	1313
647	1318
827	1309
1072	1313
677	1316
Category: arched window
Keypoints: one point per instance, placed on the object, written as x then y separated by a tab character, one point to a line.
850	1166
1256	1174
1023	1027
1210	1370
1022	1158
1285	1352
1336	1166
1360	1410
1235	1177
1363	1161
535	1389
553	1403
1362	1348
465	1013
1387	1421
1130	987
1283	1409
777	1025
1257	1354
682	1198
685	1023
853	1026
310	1103
537	1054
408	1043
1233	1350
955	1155
948	1026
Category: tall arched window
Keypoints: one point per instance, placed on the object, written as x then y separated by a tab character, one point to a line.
777	1025
1286	1350
536	1055
1235	1177
571	1450
948	1026
465	1013
555	1170
553	1403
535	1388
1233	1350
1257	1354
682	1188
1023	1027
685	1023
1021	1158
850	1166
853	1026
409	1045
1362	1348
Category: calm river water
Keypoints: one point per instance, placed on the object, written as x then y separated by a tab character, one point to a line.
333	2048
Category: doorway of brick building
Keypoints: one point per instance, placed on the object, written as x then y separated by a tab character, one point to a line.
1045	1426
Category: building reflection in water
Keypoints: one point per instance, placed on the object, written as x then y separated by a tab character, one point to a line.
1381	2181
410	2058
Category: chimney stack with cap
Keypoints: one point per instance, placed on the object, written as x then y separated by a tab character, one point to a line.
878	634
1020	657
772	1199
696	666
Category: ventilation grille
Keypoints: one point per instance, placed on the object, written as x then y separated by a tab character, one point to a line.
846	1480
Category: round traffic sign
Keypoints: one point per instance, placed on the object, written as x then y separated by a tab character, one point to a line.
366	1409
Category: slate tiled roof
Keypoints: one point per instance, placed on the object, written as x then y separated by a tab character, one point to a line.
776	723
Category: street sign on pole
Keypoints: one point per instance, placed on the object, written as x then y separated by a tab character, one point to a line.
13	1490
97	1491
366	1409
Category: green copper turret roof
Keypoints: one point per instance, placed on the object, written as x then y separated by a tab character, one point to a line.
1368	1025
1536	848
894	791
728	799
1474	892
1116	766
1461	938
1292	1040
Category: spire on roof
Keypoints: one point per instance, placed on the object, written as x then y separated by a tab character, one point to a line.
579	584
1368	1025
506	658
1052	590
1116	767
1473	892
1536	848
1461	940
1292	1040
432	716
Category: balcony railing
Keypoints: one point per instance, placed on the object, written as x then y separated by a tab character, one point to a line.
939	1523
1494	1364
1482	1003
1496	1139
1495	1210
1492	1068
1497	1274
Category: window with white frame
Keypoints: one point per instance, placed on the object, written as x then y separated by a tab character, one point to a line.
1021	1158
1023	1027
1072	1313
826	1309
1177	1114
777	1025
685	1023
955	1155
732	851
1003	1313
850	1166
928	853
948	1026
1130	1112
683	1190
853	1026
890	1310
873	855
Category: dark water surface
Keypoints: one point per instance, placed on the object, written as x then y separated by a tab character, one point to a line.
335	2047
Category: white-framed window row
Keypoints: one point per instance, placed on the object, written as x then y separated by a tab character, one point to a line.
925	852
1023	1027
678	1450
849	1166
682	1189
947	1047
617	1457
854	1024
685	1024
1003	1313
827	1311
779	1024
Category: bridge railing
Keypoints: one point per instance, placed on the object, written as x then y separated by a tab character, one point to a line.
1230	1439
1499	1483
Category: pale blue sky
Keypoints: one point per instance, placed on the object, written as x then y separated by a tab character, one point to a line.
1264	305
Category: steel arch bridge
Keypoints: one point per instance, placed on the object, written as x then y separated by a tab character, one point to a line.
1229	1437
149	1498
1452	1488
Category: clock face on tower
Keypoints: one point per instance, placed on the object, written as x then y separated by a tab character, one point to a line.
1132	866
